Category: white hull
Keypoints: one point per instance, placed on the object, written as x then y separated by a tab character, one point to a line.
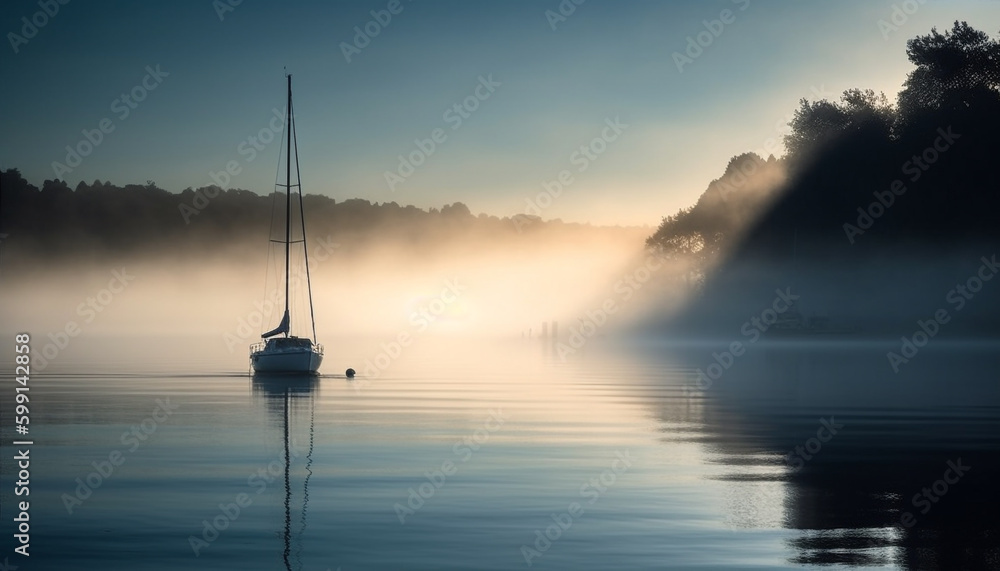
286	361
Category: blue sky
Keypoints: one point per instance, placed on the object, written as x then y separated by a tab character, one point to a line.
556	90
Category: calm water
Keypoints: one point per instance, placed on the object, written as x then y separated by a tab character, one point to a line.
464	454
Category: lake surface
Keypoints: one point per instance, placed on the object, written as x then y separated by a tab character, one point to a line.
486	454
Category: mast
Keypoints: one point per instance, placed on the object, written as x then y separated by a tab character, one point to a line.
302	217
292	145
288	195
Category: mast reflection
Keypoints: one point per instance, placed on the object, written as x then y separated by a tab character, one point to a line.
287	399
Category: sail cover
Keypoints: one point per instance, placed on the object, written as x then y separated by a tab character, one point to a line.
281	328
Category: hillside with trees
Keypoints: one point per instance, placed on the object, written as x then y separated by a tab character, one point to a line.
56	223
885	207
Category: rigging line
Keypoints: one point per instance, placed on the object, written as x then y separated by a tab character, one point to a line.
270	232
305	249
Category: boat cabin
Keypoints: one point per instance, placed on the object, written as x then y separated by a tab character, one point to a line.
288	343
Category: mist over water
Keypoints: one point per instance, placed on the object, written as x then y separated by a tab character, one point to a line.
455	287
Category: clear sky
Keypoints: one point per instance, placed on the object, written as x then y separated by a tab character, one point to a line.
222	79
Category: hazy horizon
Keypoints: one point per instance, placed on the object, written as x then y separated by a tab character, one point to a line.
546	86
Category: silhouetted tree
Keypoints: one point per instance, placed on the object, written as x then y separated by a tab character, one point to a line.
953	70
815	124
456	210
910	189
102	220
695	236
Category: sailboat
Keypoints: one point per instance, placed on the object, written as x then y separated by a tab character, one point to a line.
281	352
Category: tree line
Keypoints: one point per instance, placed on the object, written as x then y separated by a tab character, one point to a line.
102	219
836	184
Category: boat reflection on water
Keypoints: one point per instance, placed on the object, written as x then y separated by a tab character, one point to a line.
289	399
